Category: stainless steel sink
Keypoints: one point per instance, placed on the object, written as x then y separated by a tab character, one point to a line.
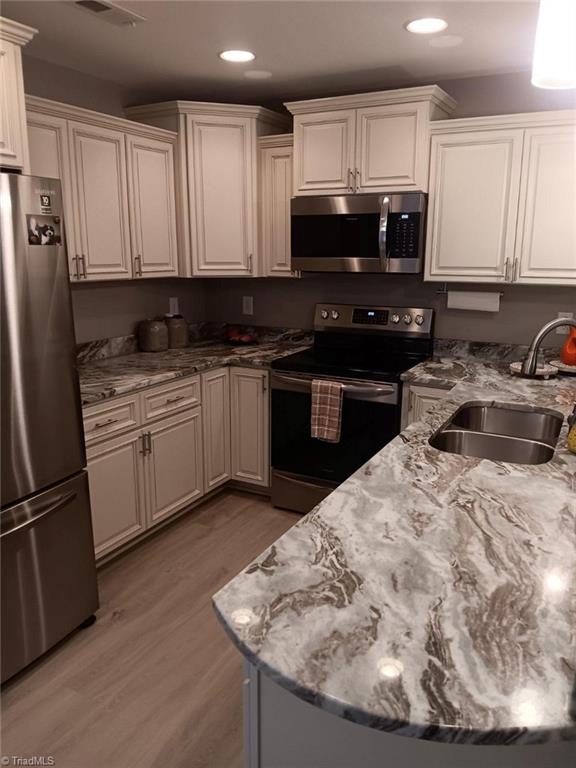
501	432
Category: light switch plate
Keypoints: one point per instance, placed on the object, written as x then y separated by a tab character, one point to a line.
563	330
247	305
173	305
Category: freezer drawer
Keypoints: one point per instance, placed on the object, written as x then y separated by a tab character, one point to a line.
48	571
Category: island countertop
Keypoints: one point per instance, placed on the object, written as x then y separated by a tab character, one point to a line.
431	595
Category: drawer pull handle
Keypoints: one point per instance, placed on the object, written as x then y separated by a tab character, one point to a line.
107	422
175	399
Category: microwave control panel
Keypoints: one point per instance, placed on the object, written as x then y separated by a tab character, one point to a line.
402	235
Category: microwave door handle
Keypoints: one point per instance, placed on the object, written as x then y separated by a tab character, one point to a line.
382	232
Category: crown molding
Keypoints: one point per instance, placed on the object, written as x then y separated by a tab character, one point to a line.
171	108
15	32
430	93
498	122
71	112
276	140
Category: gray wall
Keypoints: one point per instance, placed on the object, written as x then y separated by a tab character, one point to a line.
51	81
114	309
286	302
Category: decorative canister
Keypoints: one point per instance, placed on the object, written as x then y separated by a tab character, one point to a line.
568	351
152	335
177	331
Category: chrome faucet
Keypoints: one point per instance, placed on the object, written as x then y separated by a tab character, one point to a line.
529	364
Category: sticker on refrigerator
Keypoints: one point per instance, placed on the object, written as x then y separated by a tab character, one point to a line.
45	203
43	230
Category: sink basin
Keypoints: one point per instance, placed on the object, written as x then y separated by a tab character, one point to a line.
540	424
501	433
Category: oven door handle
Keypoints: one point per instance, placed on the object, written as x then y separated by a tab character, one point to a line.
357	391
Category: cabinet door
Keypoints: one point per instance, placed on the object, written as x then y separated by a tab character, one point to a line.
250	417
13	141
324	152
546	242
420	400
174	464
473	205
50	158
116	491
392	149
100	194
152	207
216	420
222	156
275	194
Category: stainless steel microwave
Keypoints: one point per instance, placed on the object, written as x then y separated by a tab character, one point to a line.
359	233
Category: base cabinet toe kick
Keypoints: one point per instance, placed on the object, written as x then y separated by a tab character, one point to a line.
283	731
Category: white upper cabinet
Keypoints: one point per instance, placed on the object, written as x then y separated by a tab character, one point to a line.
275	195
13	137
118	188
217	169
223	190
101	193
365	143
392	147
502	200
152	207
546	242
324	152
50	157
474	188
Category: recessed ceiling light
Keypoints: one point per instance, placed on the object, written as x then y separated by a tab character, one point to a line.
428	26
238	57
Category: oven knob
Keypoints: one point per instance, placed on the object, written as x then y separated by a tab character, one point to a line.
335	314
419	319
324	314
395	318
407	319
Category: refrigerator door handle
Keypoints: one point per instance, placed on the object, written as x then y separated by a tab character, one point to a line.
42	512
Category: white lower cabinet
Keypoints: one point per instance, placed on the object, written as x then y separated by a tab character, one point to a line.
117	491
250	426
155	453
173	462
216	423
417	400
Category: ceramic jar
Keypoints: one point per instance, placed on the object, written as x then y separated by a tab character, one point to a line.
177	331
153	335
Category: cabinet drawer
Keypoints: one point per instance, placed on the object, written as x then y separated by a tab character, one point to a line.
171	398
112	417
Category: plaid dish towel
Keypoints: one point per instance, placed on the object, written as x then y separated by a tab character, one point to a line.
326	410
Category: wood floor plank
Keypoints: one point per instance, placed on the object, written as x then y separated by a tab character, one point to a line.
155	682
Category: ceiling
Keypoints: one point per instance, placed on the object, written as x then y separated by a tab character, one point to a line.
310	48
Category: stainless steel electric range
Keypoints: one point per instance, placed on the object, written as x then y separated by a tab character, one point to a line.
366	348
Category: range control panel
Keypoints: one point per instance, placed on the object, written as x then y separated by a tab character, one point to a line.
377	319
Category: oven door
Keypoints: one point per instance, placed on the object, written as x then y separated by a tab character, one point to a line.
307	468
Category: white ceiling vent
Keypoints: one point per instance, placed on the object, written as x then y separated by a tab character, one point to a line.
110	12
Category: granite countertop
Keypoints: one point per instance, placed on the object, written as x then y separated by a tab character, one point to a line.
114	376
431	595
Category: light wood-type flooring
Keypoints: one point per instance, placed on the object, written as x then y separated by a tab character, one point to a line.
155	683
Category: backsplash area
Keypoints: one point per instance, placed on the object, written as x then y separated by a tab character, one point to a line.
110	310
290	302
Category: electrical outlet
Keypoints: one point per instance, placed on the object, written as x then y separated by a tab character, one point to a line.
564	330
247	305
173	305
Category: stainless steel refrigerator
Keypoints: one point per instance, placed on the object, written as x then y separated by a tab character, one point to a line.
48	568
